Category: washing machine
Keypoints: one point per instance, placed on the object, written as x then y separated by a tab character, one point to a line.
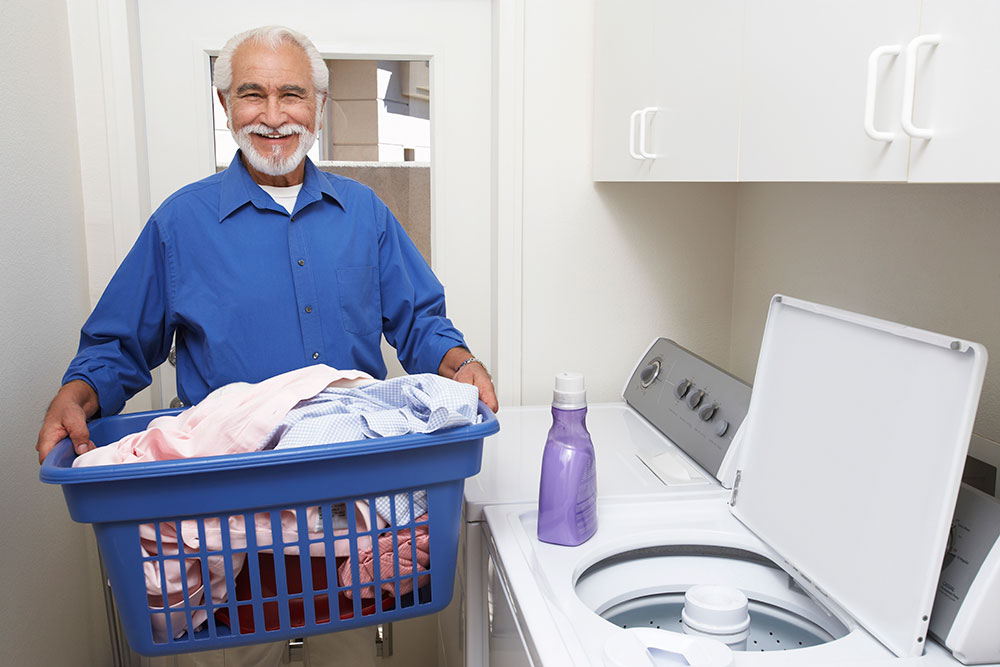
636	464
813	534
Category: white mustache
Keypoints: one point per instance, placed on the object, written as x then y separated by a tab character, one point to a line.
284	130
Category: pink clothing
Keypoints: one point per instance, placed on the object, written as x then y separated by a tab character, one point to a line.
176	581
234	418
404	548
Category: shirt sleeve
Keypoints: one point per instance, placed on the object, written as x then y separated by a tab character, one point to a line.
127	335
413	305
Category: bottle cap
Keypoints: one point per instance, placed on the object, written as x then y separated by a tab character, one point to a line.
570	392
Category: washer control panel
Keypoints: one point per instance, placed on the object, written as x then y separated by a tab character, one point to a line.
696	404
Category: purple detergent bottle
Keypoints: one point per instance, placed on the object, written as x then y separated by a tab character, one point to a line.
567	495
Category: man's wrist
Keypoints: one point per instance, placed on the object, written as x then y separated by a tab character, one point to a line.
473	360
83	394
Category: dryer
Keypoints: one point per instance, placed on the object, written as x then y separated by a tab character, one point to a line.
830	541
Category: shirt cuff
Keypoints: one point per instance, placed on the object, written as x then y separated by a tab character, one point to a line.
110	397
437	348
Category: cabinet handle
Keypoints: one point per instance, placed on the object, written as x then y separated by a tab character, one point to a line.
642	132
910	82
871	93
631	134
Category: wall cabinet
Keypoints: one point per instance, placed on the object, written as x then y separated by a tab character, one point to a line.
832	90
958	94
667	90
804	85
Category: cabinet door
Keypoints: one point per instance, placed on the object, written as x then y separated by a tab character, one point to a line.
805	82
957	93
624	83
695	130
667	89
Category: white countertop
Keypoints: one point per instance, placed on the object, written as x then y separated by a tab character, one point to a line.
512	458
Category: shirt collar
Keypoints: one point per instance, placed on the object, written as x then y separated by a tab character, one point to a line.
239	189
314	186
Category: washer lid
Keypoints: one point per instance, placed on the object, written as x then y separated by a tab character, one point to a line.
852	456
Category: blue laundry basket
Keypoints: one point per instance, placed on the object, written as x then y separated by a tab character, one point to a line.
268	587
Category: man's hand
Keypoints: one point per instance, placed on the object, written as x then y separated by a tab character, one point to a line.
473	373
67	416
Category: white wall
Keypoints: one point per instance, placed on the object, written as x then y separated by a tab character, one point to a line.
52	613
606	267
923	255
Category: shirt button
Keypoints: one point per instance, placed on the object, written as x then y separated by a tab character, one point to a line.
315	355
302	262
309	309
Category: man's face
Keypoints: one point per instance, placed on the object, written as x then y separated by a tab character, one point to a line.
273	111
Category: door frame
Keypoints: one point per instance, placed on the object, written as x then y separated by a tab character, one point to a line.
115	184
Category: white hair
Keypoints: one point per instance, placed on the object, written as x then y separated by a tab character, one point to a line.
271	36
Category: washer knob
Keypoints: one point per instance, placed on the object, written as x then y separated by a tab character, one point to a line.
721	427
695	398
707	412
682	388
649	373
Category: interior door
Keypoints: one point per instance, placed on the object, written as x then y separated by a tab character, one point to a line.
176	40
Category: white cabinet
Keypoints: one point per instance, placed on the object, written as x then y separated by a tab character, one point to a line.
667	90
787	90
623	84
926	75
957	94
804	89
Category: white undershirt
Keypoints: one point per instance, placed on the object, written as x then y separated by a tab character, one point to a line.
283	196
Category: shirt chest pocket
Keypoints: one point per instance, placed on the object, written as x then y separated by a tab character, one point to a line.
360	302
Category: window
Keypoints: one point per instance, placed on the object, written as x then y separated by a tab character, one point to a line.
376	111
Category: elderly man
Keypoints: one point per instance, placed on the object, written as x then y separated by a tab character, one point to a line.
265	267
268	266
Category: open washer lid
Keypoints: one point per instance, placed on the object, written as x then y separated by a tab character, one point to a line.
852	457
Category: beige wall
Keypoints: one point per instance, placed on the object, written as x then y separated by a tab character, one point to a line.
606	267
923	255
52	614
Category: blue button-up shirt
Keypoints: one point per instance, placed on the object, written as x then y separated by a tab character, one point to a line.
251	291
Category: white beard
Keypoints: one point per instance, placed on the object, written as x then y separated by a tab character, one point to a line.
274	165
